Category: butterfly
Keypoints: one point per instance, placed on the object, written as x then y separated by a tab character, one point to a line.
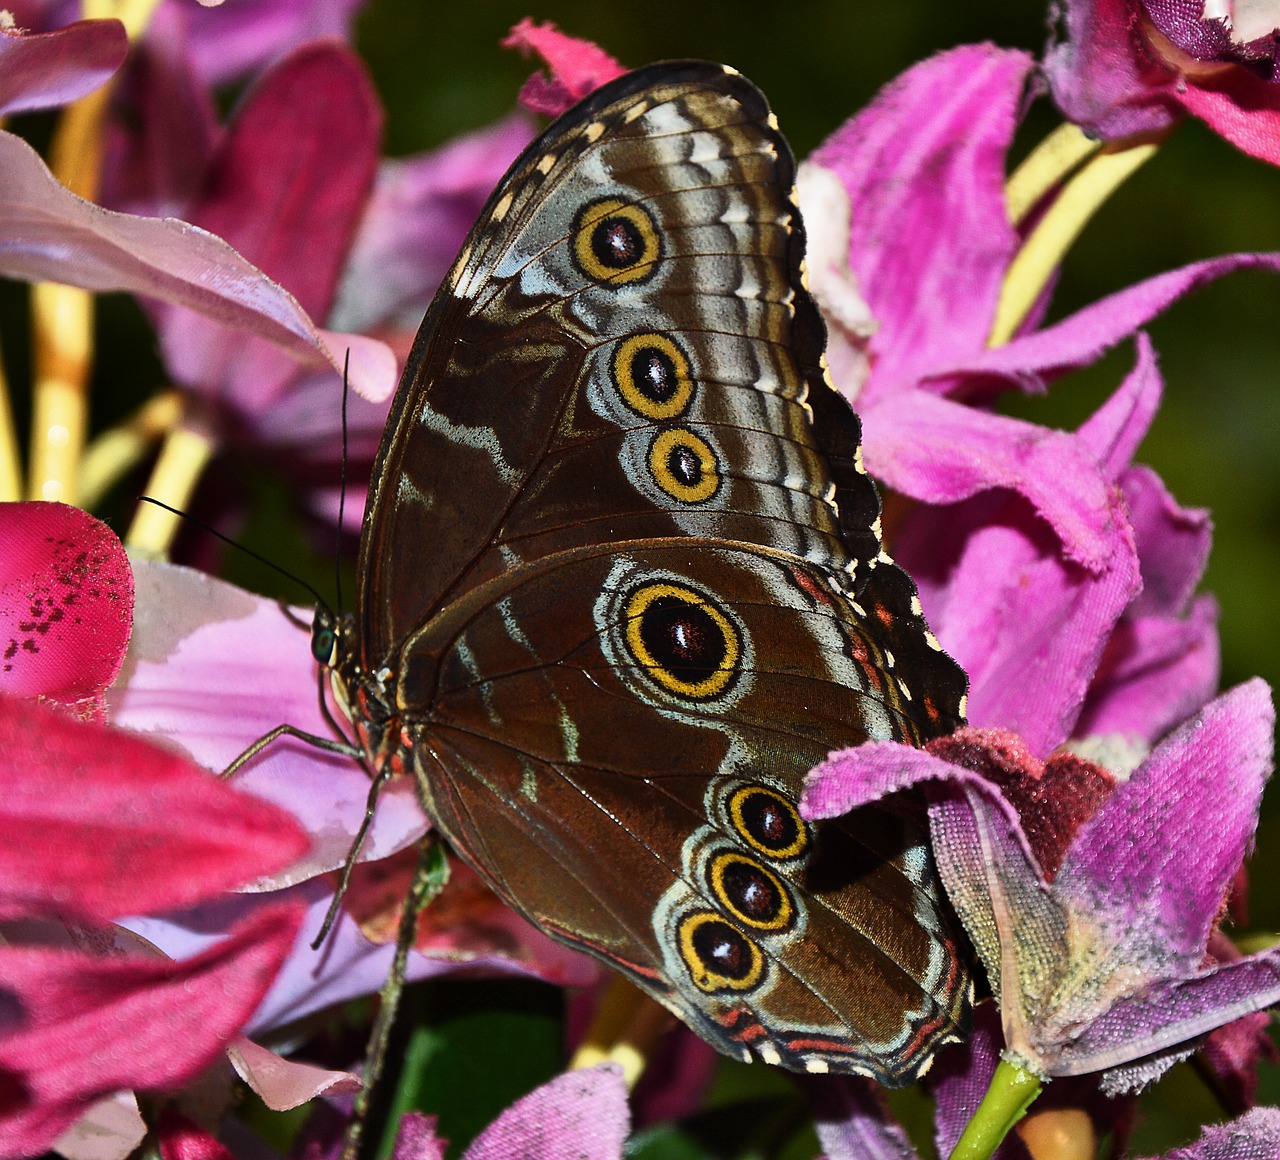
621	586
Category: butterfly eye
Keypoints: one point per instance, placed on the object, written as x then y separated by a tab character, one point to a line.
769	823
616	242
684	466
719	956
323	641
652	375
753	894
682	640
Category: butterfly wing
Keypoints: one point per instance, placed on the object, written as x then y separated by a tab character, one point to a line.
628	593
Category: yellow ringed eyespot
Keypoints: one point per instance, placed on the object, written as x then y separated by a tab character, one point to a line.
616	242
719	956
682	640
752	893
652	375
768	822
684	466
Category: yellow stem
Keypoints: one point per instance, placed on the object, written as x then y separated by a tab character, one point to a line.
1046	167
182	460
62	320
10	461
1042	252
625	1031
115	452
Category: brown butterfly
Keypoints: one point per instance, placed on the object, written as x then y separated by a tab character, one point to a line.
621	586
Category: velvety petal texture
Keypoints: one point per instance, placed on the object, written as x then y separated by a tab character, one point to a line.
575	67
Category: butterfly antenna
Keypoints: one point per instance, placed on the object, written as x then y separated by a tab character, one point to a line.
342	480
320	600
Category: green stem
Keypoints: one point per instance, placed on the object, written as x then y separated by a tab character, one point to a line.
1011	1093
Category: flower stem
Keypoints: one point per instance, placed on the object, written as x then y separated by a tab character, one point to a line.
116	451
1046	166
183	457
625	1031
10	462
1042	252
1011	1092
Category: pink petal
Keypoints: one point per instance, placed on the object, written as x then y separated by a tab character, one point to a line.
577	67
1079	340
416	1139
52	235
940	451
281	1083
414	224
853	1121
1245	110
96	823
960	1078
211	668
581	1114
1154	673
1112	433
1100	78
110	1130
1155	861
179	1138
66	603
286	188
1254	1136
930	239
42	70
1173	544
94	1026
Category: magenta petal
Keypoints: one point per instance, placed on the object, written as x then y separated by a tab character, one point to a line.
960	1078
1154	673
416	1139
1164	1014
577	67
1254	1136
93	1026
1244	110
66	602
1112	433
286	188
855	777
930	238
940	451
1155	861
52	235
96	823
42	70
581	1114
1078	340
1173	544
1100	79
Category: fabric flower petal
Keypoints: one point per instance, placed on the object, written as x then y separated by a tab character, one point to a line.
577	67
66	603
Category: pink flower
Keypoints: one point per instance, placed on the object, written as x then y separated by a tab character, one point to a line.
1136	66
42	71
96	824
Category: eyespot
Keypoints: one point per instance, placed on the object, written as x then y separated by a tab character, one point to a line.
750	892
652	375
768	822
718	955
684	465
682	640
616	242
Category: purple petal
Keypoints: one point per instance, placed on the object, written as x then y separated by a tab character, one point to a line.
1240	108
286	188
1098	77
940	451
855	777
1079	340
1254	1136
581	1114
417	217
416	1139
1154	673
1173	544
853	1120
1112	433
1163	1015
930	237
43	70
1155	861
211	668
1028	627
49	234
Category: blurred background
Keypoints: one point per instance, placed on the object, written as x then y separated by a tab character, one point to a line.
1215	442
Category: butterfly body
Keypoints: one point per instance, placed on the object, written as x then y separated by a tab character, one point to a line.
622	586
